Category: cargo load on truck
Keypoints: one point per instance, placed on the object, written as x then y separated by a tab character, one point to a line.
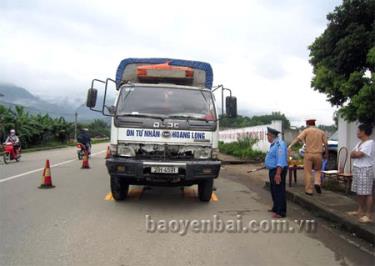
164	70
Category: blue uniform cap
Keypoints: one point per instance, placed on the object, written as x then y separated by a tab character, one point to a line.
272	131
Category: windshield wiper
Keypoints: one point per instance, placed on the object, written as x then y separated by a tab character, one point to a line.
204	96
141	115
188	117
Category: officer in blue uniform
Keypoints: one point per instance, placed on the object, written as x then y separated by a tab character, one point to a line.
277	164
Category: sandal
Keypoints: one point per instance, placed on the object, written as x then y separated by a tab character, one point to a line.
365	220
277	216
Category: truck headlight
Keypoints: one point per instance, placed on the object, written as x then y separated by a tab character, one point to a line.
215	153
202	153
126	151
113	149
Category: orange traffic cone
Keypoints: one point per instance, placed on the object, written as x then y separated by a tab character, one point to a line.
46	178
108	154
85	161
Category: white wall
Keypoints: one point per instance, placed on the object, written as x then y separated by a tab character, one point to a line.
347	134
259	132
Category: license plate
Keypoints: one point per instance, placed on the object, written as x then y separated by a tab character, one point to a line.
164	170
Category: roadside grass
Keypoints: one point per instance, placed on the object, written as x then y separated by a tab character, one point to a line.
243	149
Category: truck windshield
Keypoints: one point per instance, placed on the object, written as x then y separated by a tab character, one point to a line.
166	103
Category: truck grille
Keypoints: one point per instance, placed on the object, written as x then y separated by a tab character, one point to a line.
165	154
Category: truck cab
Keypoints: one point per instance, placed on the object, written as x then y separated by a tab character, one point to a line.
164	129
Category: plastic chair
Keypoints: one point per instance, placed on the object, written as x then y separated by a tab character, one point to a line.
346	177
340	173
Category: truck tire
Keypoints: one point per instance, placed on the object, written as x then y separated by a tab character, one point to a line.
205	190
119	188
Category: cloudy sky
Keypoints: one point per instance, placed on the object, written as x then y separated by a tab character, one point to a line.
258	48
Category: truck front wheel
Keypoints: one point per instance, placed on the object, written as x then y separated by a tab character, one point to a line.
119	188
205	188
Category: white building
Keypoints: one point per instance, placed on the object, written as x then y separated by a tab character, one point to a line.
257	132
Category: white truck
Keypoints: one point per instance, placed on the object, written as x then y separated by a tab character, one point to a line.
164	128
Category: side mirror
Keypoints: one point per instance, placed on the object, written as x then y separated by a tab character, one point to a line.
91	97
231	106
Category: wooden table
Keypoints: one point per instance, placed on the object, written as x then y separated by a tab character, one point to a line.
293	171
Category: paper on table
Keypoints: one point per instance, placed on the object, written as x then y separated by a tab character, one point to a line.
330	172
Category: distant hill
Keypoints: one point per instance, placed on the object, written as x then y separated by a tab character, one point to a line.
14	95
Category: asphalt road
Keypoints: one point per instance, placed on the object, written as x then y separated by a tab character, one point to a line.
78	223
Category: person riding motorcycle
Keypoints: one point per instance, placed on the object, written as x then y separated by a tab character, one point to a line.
85	139
14	139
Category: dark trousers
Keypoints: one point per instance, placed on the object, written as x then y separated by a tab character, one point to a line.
278	192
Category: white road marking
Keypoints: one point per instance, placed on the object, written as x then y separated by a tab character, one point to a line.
40	169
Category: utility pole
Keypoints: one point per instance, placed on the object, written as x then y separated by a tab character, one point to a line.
1	133
222	101
75	124
76	121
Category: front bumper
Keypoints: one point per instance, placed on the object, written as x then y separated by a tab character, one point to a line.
139	171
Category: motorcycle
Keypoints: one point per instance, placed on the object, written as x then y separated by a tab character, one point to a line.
10	153
81	150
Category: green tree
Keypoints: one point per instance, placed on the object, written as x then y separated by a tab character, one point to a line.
99	128
245	121
24	125
343	56
330	128
33	129
6	122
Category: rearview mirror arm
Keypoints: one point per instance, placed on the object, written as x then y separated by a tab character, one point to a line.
105	95
230	91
